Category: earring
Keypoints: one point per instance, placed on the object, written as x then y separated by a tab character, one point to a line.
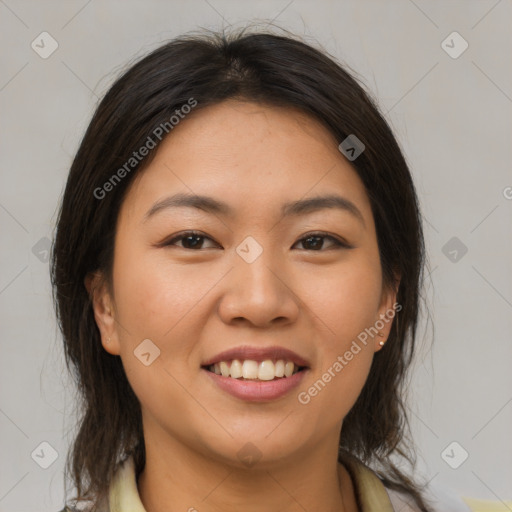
108	341
381	343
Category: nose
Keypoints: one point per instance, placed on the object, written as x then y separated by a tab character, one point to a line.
259	294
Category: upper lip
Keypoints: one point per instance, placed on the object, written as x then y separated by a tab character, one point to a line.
258	354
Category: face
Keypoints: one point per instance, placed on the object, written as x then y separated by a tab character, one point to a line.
252	276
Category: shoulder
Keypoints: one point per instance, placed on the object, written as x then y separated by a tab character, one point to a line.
69	508
372	492
401	501
99	506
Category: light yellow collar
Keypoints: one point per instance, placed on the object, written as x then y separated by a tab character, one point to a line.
124	496
369	490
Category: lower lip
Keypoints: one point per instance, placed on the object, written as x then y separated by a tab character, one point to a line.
257	391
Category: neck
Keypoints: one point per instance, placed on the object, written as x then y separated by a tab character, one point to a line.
178	477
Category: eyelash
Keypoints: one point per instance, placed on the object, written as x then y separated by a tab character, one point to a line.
339	244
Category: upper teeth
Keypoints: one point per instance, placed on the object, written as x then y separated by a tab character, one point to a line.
249	369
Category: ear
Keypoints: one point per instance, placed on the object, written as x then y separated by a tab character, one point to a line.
388	309
104	311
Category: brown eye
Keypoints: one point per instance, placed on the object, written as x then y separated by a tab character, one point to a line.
189	240
315	242
194	240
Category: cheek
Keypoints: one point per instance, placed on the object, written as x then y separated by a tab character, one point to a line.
344	365
153	295
346	299
346	303
155	301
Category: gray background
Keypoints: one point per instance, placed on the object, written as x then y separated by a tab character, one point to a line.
452	119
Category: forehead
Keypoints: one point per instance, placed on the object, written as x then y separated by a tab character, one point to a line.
250	155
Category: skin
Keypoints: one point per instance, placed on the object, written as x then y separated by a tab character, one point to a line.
195	303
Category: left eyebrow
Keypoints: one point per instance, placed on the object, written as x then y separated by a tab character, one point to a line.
305	206
294	208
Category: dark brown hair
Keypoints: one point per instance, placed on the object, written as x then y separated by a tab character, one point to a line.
277	70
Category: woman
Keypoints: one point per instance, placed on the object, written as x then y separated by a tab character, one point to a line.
237	269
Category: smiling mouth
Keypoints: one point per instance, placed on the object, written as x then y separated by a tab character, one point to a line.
249	369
